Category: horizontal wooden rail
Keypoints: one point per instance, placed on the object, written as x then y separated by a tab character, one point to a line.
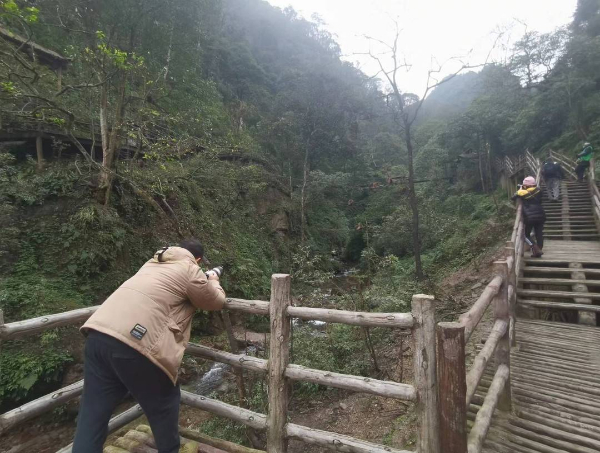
237	414
242	361
479	364
483	420
472	318
386	389
398	320
258	421
19	329
39	406
253	307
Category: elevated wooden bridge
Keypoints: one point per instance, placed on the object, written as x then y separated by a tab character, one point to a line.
533	386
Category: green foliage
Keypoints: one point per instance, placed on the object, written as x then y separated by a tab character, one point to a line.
27	373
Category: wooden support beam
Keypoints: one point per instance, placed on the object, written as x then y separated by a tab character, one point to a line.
279	357
452	387
425	375
584	316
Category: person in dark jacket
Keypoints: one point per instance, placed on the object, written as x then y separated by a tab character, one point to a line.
534	215
553	174
583	161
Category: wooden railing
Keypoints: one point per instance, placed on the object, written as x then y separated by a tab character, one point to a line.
457	384
280	373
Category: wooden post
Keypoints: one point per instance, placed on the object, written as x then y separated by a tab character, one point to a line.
279	356
40	152
424	362
512	302
502	311
452	390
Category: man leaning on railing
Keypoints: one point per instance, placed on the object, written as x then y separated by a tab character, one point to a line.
135	343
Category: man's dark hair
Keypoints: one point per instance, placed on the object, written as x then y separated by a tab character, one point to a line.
194	246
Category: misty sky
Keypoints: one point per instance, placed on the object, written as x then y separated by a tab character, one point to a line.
439	29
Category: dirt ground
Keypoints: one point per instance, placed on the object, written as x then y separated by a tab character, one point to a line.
375	419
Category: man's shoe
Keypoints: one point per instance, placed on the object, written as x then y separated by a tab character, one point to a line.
536	252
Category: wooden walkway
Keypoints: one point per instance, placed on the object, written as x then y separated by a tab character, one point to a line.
556	392
555	367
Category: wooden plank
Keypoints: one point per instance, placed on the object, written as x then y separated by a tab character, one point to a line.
559	281
557	294
559	270
425	375
279	358
452	387
559	305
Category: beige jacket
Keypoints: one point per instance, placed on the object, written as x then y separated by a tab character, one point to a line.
152	311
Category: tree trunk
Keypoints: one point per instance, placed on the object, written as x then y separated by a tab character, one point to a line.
303	194
110	141
414	206
481	176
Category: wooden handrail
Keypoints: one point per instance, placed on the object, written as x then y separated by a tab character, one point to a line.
20	329
480	363
472	318
421	321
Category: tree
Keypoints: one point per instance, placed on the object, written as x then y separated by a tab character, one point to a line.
405	108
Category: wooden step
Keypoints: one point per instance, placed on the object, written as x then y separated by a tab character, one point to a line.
557	294
572	259
559	281
558	305
550	232
559	270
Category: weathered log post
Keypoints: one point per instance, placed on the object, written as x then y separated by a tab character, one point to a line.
452	386
279	357
512	292
424	362
502	311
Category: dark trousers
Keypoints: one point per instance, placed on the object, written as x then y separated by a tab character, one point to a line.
111	370
580	169
538	228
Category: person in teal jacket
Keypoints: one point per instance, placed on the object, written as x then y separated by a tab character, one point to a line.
583	161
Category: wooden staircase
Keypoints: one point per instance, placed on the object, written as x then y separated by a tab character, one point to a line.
564	285
555	366
572	217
